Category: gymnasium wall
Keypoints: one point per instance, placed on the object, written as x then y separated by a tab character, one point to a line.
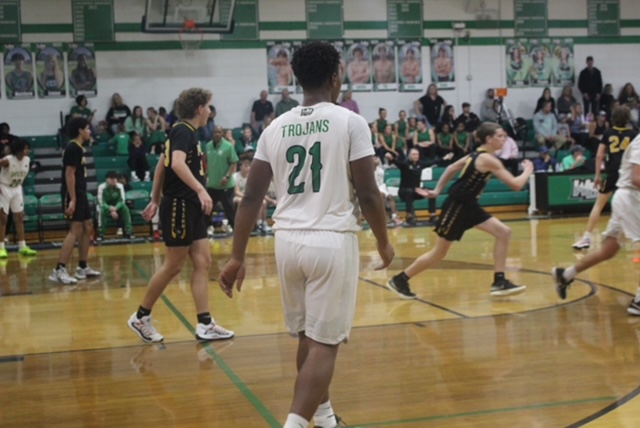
150	69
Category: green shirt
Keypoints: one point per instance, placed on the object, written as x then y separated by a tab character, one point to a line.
424	136
82	112
402	128
122	140
283	106
111	196
381	124
219	160
463	139
446	139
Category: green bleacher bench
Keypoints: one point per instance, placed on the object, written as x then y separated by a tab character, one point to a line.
103	150
43	141
112	163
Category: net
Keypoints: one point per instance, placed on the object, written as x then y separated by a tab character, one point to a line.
191	38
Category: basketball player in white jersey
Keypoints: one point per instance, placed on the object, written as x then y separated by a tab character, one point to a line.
14	168
317	155
624	222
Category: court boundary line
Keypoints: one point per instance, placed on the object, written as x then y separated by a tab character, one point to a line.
605	410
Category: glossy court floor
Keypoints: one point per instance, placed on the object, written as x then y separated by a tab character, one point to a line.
453	358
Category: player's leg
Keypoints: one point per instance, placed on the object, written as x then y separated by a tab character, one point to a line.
502	233
60	273
17	208
84	271
594	216
3	225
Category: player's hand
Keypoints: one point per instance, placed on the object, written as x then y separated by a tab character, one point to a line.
70	209
527	165
232	273
205	201
386	254
150	211
597	182
426	193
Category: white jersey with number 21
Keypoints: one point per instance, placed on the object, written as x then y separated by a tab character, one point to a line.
309	150
14	174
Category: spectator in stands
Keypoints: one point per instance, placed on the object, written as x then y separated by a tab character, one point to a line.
579	125
575	159
172	118
83	77
470	120
544	162
156	129
412	126
565	101
247	143
6	139
162	112
488	112
461	140
400	129
545	126
221	165
286	103
381	121
111	203
388	141
430	105
410	179
124	180
590	85
546	96
122	140
629	97
136	122
446	147
448	117
606	99
76	205
117	114
384	192
424	140
509	155
205	134
349	103
596	130
228	135
261	109
81	109
138	163
240	178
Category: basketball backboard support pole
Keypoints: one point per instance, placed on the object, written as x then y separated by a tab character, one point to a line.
169	16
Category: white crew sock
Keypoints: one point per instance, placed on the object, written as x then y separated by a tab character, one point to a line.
296	421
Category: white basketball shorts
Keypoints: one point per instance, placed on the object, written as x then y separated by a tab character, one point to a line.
625	215
11	198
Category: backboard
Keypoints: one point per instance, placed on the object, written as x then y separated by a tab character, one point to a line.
169	16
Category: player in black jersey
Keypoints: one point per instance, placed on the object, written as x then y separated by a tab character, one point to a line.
610	150
461	211
184	211
75	205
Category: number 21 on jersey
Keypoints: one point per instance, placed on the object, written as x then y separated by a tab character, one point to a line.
297	155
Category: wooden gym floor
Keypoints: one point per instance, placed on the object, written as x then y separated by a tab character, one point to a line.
453	358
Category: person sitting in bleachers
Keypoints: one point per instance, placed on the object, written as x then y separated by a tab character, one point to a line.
544	162
388	143
575	159
111	204
122	141
424	140
136	122
117	114
545	125
579	125
156	131
509	155
81	109
488	112
606	99
596	130
446	148
546	96
384	191
138	162
461	140
471	120
565	101
400	128
240	178
246	144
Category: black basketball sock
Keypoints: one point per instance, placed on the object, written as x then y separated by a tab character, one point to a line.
205	318
402	277
498	276
143	312
82	264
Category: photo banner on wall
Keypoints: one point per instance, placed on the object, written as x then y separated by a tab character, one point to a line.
81	69
517	63
384	65
540	55
358	55
563	62
443	71
410	66
18	71
50	72
279	72
339	45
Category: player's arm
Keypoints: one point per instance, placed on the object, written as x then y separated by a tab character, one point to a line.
4	162
448	174
600	159
179	166
70	176
496	167
158	180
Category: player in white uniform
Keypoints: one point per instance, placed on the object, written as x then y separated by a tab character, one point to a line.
384	191
14	168
625	221
317	154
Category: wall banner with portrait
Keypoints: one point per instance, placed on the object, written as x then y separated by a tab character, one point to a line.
562	62
518	63
443	70
279	72
384	65
339	45
81	69
18	71
410	65
358	56
50	70
540	74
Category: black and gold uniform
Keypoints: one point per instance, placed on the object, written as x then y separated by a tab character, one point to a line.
616	140
461	210
181	215
73	156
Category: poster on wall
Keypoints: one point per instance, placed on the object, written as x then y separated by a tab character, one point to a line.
81	70
540	73
50	72
18	71
279	72
410	65
517	63
443	71
339	45
358	54
562	62
384	65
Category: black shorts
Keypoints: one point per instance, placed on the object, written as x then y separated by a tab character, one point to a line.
456	218
609	184
183	222
82	211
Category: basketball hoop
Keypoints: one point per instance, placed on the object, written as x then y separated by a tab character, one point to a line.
191	37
